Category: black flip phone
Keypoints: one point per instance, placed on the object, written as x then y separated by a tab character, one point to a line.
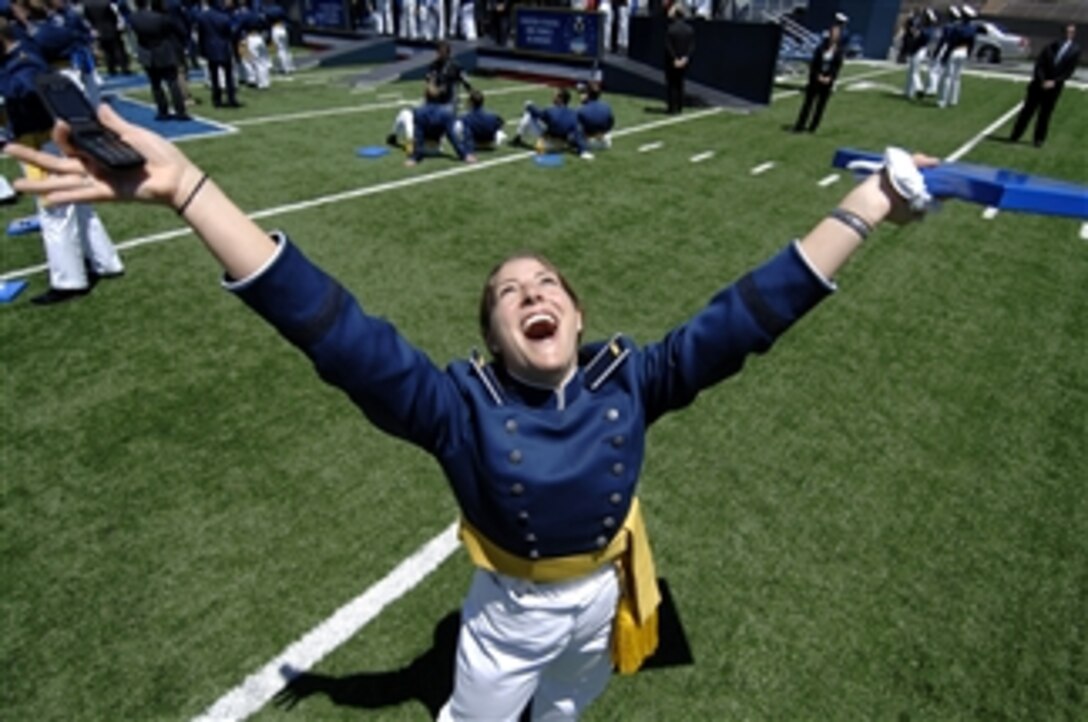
65	101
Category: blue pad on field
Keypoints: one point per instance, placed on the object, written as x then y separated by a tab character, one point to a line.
372	151
548	160
10	289
996	187
23	226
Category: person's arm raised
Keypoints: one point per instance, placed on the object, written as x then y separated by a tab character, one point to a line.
167	178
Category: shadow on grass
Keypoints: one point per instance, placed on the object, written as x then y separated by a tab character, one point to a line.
428	679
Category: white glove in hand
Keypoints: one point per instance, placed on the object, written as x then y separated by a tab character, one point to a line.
906	179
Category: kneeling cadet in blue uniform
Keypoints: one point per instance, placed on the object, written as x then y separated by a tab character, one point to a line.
479	128
543	443
554	129
419	131
595	117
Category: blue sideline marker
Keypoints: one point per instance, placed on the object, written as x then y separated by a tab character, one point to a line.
23	226
10	289
1000	188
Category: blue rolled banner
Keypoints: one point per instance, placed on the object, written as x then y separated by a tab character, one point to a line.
1000	188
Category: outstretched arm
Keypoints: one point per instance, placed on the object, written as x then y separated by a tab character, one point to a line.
168	178
834	239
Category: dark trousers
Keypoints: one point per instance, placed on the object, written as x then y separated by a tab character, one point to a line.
217	85
168	77
116	55
674	88
1041	100
816	95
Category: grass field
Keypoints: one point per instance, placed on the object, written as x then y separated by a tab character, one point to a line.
883	519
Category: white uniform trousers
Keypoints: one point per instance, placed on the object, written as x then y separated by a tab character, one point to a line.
915	63
530	130
283	48
605	9
520	641
384	15
468	19
950	78
623	20
257	63
409	20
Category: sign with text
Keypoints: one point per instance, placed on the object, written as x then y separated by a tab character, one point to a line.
557	32
326	14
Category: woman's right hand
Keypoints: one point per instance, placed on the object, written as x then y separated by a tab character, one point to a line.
166	177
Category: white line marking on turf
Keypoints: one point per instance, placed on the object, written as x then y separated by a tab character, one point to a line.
828	180
1084	231
650	146
261	686
969	145
762	168
700	157
989	213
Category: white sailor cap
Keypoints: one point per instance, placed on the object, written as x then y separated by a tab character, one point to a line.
841	19
968	12
931	15
954	11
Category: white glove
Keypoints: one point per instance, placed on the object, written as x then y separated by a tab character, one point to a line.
906	179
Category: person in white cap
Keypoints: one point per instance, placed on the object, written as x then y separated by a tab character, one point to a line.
961	43
822	71
916	46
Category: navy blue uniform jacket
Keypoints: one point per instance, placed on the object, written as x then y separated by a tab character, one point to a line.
541	473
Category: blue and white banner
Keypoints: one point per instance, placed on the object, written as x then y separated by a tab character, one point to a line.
557	32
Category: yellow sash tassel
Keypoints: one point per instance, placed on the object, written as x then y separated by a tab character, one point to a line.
635	629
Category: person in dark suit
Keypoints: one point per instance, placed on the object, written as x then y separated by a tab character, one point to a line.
108	26
822	71
214	42
157	37
1052	68
679	46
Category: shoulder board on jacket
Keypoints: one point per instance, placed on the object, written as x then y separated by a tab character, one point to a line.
606	361
487	377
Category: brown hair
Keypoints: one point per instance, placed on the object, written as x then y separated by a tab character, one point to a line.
488	298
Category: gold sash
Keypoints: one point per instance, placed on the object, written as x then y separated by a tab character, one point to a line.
634	635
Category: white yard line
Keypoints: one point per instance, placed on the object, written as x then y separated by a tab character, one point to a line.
1084	231
989	213
260	687
828	180
969	145
700	157
762	168
650	146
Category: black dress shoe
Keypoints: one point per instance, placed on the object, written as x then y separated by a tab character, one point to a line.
59	295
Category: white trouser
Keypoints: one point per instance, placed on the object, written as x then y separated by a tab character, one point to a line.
257	62
75	239
520	641
459	134
915	63
409	22
432	20
404	127
384	15
599	142
950	79
468	20
530	129
623	18
605	9
283	48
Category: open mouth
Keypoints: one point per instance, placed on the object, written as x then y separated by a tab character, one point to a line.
540	326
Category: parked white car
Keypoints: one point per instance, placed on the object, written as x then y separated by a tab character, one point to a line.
994	43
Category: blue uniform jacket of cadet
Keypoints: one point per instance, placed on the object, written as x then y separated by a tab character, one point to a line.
25	111
541	473
560	122
595	117
430	123
480	127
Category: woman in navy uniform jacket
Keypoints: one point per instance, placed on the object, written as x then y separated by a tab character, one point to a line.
822	71
542	445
